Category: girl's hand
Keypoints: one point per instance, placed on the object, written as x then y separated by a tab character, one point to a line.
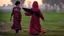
11	19
44	20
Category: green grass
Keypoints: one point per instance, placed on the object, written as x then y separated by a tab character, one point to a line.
53	25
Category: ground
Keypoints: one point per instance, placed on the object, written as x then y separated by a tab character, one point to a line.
53	25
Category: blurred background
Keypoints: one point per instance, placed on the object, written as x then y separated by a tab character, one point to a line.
53	11
45	5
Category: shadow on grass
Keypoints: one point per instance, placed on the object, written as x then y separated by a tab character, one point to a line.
25	33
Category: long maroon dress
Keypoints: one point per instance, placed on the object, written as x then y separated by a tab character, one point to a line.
35	27
16	12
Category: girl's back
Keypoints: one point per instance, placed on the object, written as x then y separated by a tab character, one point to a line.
17	12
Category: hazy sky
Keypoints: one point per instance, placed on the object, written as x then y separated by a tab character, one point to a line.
28	1
6	2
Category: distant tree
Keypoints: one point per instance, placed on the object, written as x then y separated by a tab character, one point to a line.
53	1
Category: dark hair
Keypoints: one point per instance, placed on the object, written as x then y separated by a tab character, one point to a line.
17	2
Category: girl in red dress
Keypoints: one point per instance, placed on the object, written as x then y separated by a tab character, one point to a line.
35	26
16	13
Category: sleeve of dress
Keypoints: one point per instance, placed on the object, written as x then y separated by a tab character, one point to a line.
27	14
41	15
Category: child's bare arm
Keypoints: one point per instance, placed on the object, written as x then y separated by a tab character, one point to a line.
12	14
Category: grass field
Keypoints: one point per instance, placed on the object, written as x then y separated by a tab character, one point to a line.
53	25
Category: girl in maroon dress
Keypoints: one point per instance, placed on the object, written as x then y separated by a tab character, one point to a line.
16	13
35	27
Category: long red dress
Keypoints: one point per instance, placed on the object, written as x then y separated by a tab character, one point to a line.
16	18
35	27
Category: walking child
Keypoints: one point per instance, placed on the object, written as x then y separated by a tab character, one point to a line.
36	14
16	14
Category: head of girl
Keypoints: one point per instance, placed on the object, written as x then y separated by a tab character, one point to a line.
35	4
17	3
